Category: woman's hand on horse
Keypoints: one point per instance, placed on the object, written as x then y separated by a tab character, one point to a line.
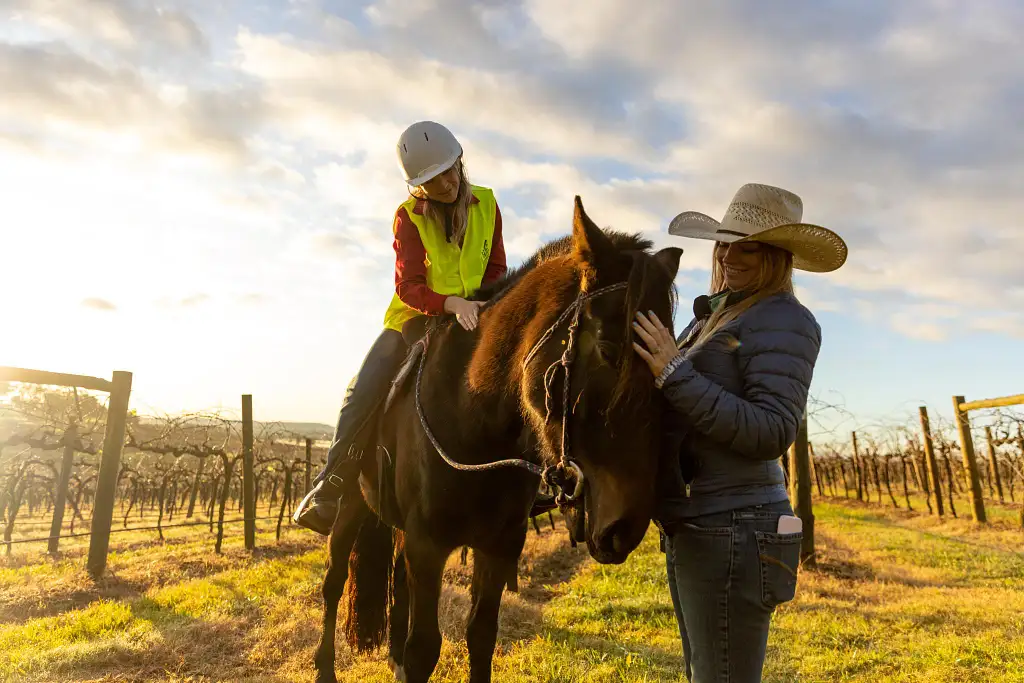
659	346
466	312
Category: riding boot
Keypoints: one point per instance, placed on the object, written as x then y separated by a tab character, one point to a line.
340	475
319	507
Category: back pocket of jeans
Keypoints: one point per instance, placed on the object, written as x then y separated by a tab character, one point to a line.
779	560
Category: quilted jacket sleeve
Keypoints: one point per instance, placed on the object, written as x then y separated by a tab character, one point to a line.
776	347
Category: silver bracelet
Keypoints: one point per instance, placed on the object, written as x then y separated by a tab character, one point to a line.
676	361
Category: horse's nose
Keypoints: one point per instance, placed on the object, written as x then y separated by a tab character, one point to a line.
617	539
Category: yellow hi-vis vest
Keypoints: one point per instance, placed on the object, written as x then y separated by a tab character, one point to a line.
450	270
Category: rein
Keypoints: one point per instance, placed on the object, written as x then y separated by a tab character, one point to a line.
533	468
566	473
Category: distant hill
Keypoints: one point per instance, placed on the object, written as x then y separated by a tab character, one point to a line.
311	430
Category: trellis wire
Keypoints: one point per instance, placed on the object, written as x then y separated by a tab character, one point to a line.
136	528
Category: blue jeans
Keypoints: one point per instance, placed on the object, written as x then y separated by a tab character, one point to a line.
367	389
727	572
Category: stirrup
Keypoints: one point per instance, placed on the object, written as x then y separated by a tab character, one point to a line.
309	513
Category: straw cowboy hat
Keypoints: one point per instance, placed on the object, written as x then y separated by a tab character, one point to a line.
762	213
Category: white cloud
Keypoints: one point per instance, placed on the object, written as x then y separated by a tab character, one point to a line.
118	24
852	107
795	104
810	296
98	304
54	95
367	191
927	331
399	12
320	83
1011	325
250	156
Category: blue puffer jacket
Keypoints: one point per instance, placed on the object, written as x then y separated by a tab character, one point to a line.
737	401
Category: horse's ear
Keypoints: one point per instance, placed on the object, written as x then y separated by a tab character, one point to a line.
591	246
669	260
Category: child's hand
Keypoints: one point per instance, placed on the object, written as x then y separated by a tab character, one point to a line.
466	312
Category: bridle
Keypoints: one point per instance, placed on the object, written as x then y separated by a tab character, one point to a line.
565	475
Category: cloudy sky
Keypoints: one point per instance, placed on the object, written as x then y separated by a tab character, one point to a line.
201	192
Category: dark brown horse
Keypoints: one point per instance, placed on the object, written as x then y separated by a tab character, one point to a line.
549	378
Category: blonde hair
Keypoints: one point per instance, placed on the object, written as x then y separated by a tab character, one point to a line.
452	217
776	276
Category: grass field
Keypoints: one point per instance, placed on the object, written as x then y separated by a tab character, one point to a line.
896	597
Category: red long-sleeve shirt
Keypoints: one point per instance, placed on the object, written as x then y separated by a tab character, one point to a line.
411	268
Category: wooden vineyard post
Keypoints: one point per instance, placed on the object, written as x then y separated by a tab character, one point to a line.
930	462
60	496
800	471
963	425
110	464
857	467
993	463
309	461
248	478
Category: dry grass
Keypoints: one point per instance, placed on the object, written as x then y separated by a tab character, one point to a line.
176	611
33	584
896	597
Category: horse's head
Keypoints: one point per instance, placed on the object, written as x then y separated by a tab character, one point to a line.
614	414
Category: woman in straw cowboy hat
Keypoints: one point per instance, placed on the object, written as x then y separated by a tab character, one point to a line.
448	241
737	379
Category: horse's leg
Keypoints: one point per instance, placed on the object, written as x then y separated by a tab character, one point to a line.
399	615
490	573
343	536
425	566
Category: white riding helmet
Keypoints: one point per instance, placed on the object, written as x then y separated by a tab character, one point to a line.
426	150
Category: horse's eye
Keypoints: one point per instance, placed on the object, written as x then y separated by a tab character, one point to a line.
609	350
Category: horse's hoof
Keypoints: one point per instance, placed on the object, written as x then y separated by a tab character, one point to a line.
398	671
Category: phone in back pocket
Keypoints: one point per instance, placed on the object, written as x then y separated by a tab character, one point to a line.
788	524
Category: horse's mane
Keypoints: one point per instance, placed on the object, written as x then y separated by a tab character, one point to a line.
560	247
638	278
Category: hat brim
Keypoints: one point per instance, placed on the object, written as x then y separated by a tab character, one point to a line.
433	172
814	248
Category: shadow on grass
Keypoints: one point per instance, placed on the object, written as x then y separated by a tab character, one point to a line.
131	577
155	642
52	600
872	517
962	567
550	570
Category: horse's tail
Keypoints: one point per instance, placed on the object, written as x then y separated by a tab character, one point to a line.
368	590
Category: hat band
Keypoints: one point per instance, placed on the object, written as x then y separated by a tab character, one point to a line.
731	232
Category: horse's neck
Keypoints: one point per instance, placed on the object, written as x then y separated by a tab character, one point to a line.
510	327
